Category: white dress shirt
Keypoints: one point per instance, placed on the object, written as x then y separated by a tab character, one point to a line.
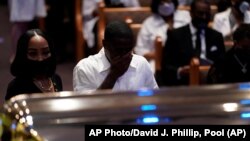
89	74
26	10
221	22
203	41
155	26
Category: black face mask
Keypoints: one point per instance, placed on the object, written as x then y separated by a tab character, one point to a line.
40	67
200	23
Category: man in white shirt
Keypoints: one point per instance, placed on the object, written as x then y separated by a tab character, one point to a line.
114	67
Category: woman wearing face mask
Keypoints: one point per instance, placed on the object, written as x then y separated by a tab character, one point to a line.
165	17
227	21
34	66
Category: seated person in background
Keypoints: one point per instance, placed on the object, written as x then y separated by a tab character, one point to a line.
227	21
90	19
193	40
89	27
122	3
114	67
165	17
34	66
222	5
185	2
235	65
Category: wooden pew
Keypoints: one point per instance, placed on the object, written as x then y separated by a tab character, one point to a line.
197	73
158	53
145	3
79	40
137	14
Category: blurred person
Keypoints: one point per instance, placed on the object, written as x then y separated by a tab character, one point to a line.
234	66
60	26
34	66
115	66
185	2
122	3
193	40
25	14
165	17
222	5
90	19
227	21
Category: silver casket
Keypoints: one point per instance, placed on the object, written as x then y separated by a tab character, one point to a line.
61	116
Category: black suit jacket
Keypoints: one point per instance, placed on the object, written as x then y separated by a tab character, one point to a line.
179	50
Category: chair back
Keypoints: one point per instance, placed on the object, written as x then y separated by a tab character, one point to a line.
197	73
107	14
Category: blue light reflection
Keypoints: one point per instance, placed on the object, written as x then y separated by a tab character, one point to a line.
149	107
145	92
245	115
152	119
245	102
244	86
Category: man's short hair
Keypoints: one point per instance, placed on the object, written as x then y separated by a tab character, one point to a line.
194	2
242	32
118	29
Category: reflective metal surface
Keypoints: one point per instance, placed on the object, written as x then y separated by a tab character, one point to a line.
62	116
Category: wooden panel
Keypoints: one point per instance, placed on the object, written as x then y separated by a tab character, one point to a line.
145	3
197	73
79	41
137	14
158	53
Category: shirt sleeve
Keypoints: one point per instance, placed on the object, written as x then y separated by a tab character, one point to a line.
150	81
216	23
144	43
82	80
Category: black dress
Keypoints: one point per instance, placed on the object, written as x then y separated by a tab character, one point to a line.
229	70
21	85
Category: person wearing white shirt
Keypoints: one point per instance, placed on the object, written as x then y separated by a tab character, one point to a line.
90	18
227	21
22	13
164	17
114	67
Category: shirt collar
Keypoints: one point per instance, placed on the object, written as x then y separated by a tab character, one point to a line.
194	29
104	64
